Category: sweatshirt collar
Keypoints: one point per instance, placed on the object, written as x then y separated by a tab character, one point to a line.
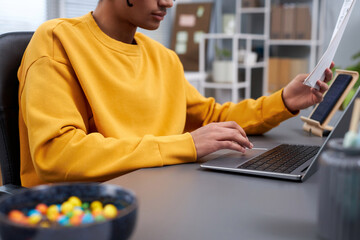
130	49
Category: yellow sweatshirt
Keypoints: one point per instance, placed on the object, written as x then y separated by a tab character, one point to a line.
93	108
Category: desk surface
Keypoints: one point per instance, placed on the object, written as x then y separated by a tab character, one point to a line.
187	202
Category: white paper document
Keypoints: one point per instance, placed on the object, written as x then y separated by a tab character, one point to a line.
318	72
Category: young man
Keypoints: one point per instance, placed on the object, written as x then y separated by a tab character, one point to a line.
98	100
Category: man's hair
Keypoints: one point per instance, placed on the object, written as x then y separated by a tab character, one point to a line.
127	1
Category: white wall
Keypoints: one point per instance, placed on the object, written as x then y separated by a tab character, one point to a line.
350	43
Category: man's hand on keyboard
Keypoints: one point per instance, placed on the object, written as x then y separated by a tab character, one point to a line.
217	136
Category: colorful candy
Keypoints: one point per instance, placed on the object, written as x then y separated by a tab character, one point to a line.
96	205
17	216
42	208
76	202
110	211
35	219
87	218
63	220
72	212
66	207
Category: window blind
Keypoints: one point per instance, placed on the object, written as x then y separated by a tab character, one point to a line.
21	15
76	8
27	15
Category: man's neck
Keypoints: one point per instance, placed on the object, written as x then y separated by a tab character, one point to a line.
113	26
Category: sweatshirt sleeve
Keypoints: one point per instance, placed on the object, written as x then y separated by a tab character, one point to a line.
62	145
254	116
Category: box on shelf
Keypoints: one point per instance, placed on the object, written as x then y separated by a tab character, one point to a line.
303	22
276	22
290	21
283	70
250	3
288	18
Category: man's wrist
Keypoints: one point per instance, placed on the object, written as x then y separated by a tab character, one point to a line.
286	105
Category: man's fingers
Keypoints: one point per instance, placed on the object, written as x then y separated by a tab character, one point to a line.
233	125
234	136
217	136
318	95
323	86
231	145
230	131
228	134
328	75
332	65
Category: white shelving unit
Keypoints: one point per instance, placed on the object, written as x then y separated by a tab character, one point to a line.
264	12
238	82
235	85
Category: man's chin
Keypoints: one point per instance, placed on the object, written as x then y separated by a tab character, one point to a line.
151	27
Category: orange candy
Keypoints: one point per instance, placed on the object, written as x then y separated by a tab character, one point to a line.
17	216
96	212
75	220
42	208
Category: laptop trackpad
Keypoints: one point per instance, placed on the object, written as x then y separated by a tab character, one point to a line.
234	159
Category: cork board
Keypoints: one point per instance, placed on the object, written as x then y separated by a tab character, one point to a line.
191	21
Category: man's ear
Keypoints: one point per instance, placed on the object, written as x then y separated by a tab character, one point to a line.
129	4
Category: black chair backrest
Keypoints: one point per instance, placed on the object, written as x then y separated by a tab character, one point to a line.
12	47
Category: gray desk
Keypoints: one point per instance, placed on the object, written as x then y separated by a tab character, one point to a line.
186	202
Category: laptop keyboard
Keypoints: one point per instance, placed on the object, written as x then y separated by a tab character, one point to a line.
284	158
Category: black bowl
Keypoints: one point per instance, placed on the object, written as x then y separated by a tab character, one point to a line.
119	227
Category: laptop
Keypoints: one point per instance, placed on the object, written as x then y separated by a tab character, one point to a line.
298	167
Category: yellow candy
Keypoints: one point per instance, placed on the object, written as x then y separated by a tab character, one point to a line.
66	207
34	219
45	224
52	209
96	205
110	211
77	211
53	216
75	201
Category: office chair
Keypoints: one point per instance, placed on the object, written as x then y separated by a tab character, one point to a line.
12	47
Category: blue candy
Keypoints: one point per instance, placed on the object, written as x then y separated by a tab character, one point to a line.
87	218
33	212
64	221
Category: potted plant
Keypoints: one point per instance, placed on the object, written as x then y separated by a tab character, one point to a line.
222	66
